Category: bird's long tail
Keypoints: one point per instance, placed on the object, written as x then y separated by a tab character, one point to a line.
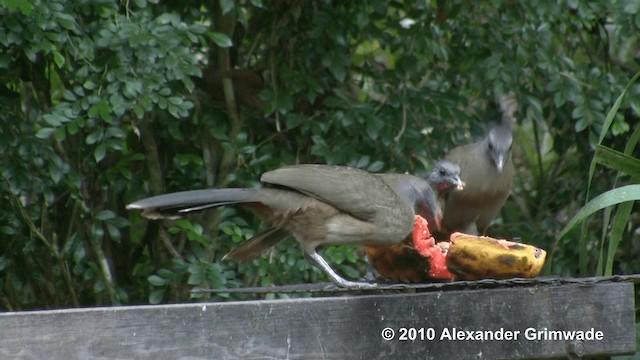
176	204
257	245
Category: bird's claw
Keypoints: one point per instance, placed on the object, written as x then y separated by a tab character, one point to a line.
356	285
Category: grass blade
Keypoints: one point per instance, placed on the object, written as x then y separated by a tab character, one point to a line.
582	244
619	224
609	198
617	160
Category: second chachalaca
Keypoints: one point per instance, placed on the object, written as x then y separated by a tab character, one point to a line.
319	204
487	171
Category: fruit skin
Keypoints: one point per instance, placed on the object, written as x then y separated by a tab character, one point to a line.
473	257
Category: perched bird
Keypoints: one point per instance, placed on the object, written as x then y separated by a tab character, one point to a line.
401	261
487	171
319	204
443	178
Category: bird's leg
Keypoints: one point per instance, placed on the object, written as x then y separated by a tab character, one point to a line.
321	263
370	272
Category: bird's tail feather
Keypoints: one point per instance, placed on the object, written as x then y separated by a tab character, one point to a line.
176	204
257	245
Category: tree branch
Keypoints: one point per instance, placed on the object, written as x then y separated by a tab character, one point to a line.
226	25
151	152
49	244
155	176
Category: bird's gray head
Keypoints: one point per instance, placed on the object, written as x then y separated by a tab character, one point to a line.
445	176
418	194
498	146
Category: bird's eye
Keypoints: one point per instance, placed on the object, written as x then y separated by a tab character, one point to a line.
442	172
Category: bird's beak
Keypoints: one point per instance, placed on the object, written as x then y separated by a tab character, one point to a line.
500	163
459	184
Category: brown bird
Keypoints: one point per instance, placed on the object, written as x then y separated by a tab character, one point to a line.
487	171
401	261
319	204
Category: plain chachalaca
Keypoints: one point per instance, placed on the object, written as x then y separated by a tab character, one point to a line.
319	204
401	261
444	178
487	171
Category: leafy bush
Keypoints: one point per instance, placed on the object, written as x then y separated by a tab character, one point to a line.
106	102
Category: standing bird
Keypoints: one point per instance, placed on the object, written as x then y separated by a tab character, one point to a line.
319	204
487	171
401	261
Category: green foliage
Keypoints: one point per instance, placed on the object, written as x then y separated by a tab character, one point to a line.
625	196
107	102
77	77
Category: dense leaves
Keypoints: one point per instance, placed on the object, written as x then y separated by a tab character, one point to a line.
105	102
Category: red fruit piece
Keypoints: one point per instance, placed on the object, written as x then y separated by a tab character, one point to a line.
426	246
422	239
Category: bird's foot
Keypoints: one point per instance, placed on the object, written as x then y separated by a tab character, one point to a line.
321	263
354	285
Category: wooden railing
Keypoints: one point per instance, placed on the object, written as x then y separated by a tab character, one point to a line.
562	319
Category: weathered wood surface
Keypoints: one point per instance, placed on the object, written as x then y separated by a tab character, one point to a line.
346	327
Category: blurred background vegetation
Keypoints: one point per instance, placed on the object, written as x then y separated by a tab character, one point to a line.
104	102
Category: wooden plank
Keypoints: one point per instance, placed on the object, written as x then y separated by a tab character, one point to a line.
346	327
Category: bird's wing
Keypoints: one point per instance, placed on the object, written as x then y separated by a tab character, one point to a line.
356	192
